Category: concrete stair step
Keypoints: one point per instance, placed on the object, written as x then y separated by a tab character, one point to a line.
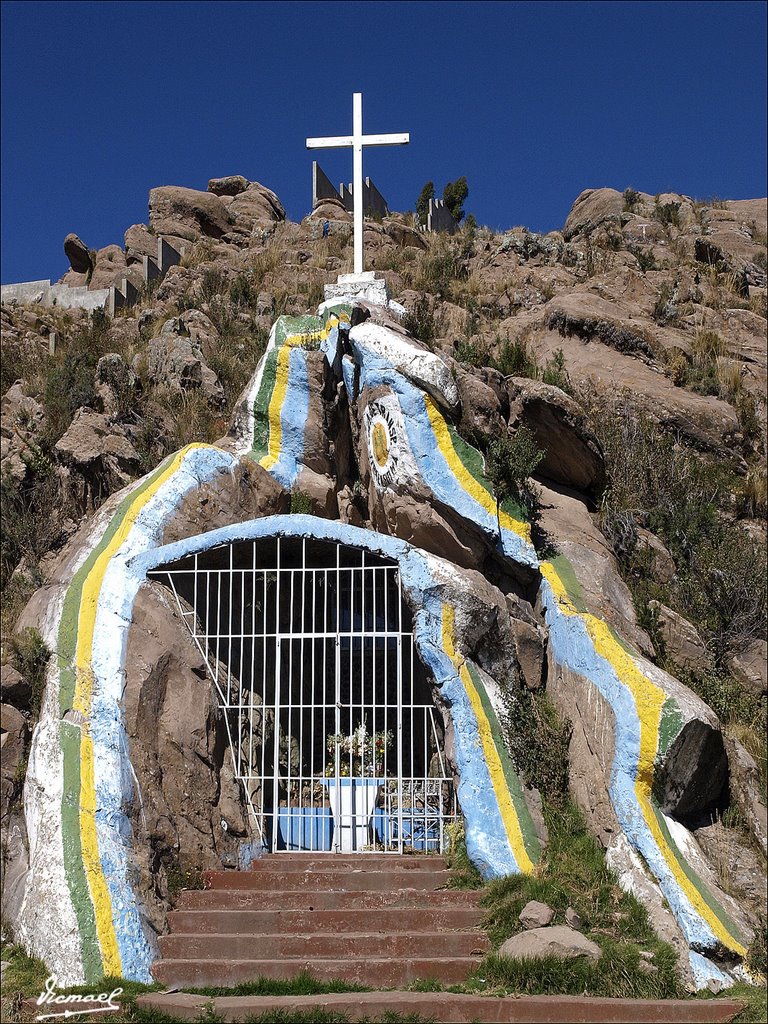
453	1008
323	945
338	878
292	922
369	971
338	861
323	899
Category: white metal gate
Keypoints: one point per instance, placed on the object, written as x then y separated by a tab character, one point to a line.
332	727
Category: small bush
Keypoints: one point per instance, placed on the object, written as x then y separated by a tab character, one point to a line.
420	321
645	259
537	740
509	462
301	504
515	359
757	954
631	199
665	309
667	214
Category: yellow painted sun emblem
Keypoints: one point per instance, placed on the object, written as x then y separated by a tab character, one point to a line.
380	444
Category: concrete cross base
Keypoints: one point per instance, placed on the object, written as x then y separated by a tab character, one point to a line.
359	286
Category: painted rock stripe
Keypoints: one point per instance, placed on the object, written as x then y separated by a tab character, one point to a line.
469	483
649	700
507	808
82	608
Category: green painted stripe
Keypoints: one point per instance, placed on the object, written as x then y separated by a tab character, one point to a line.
473	462
669	726
74	868
527	827
67	636
706	894
261	405
569	580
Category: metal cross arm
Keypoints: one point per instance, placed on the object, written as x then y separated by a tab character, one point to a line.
357	140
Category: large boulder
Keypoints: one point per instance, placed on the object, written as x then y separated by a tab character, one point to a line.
78	254
555	940
176	360
187	213
256	206
683	644
750	667
572	452
592	207
231	185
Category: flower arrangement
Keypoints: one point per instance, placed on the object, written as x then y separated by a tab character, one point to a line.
359	754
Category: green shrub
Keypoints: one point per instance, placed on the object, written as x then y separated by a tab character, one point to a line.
420	321
537	739
665	309
471	353
645	259
631	199
509	462
556	374
667	214
515	359
302	504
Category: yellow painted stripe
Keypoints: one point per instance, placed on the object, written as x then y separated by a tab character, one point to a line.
649	701
281	389
472	486
102	903
492	759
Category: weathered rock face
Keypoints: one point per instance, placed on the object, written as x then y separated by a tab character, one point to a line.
187	213
592	207
187	813
573	456
100	456
177	358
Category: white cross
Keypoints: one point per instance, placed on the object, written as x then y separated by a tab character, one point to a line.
357	140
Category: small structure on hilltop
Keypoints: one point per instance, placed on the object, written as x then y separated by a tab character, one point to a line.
323	189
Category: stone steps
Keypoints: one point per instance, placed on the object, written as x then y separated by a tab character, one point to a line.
452	1008
323	899
378	921
372	943
342	878
251	922
379	972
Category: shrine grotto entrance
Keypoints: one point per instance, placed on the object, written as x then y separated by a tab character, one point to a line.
332	727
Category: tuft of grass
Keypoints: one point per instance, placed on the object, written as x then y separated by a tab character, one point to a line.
574	873
304	984
615	974
465	874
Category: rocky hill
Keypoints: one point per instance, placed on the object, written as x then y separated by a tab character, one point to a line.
631	347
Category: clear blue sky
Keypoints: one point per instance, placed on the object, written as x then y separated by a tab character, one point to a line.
533	102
